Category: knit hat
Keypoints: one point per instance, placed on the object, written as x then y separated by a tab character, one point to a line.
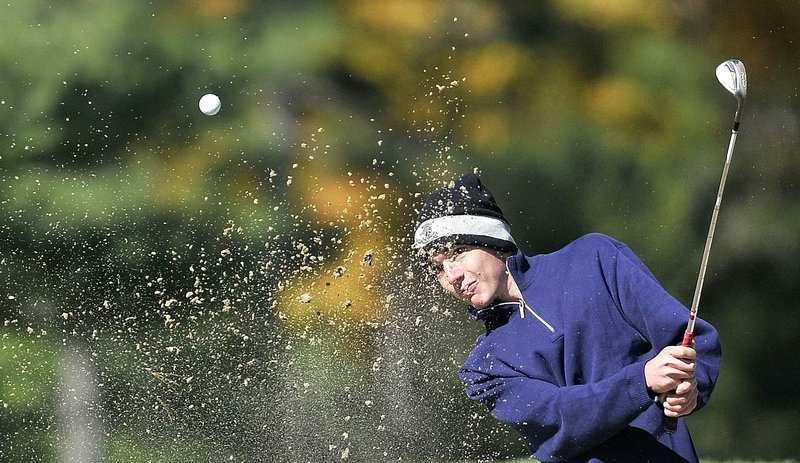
464	213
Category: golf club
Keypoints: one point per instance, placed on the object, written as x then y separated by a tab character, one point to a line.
732	76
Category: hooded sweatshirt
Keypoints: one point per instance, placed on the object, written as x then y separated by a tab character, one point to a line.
565	366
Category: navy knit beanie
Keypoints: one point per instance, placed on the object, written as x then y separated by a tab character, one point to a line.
464	213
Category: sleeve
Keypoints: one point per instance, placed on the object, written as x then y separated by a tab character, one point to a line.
562	422
660	318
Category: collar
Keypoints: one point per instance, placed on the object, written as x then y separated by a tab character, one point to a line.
494	310
495	315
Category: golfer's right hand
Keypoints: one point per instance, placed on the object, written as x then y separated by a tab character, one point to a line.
682	401
671	367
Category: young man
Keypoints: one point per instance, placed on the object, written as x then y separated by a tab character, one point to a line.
581	352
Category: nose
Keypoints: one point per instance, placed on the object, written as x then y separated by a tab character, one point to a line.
452	272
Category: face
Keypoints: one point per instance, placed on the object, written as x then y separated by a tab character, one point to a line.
473	274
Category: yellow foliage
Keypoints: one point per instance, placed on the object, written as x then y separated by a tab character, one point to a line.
613	14
617	101
491	69
403	18
488	130
347	287
216	8
623	105
378	62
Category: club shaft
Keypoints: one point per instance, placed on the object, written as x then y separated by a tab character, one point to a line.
670	423
707	250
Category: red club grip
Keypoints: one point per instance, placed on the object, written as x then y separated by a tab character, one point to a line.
671	423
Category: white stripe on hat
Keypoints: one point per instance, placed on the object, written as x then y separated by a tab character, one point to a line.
449	225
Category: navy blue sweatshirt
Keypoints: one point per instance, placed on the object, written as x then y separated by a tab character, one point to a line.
565	366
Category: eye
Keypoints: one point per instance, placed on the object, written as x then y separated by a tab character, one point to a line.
457	251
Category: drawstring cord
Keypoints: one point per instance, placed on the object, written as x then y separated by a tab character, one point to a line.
523	307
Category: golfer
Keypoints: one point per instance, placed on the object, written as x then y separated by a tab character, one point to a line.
581	351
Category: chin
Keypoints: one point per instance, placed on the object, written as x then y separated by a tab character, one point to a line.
478	304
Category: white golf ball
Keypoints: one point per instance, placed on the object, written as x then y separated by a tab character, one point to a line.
209	104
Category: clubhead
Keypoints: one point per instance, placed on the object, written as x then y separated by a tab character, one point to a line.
732	76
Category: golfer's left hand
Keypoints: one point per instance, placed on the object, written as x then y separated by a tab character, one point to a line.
682	401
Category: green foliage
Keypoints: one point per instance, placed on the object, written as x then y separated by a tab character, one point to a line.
28	395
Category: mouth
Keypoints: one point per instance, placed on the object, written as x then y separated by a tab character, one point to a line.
469	289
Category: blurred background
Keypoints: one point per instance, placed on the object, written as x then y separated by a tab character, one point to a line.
240	287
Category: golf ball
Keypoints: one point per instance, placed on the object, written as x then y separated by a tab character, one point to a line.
209	104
